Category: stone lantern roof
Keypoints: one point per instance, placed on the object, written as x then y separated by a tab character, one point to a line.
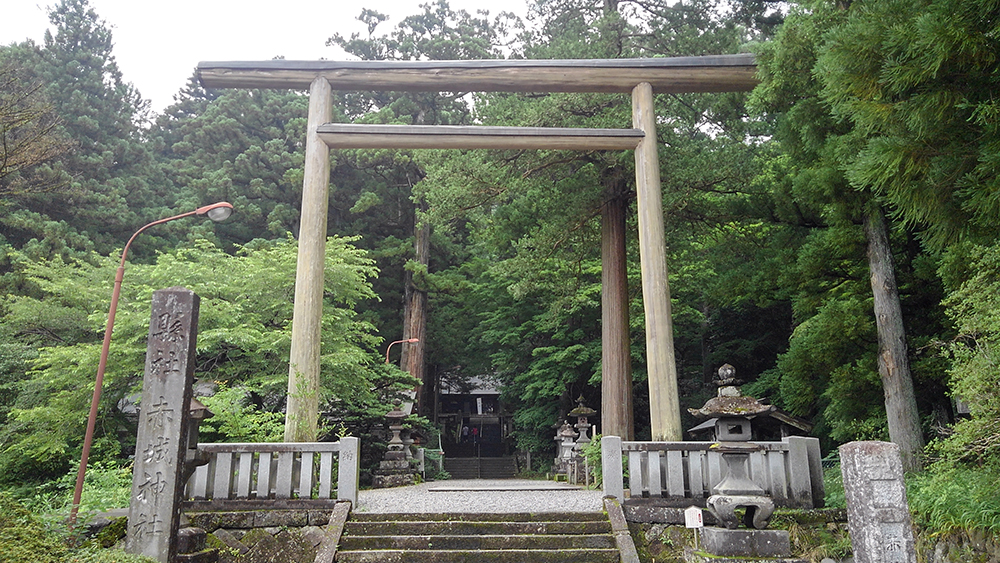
731	403
581	409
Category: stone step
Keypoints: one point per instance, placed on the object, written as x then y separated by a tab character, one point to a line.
497	468
478	516
480	537
455	528
483	556
481	467
466	542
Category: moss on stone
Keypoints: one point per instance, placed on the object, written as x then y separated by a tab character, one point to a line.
112	533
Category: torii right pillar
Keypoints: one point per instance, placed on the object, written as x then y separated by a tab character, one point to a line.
664	405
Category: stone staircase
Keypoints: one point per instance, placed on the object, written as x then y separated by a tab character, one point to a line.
483	538
480	467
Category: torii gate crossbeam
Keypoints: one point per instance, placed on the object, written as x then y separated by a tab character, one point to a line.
639	77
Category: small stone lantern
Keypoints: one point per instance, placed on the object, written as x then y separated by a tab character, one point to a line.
582	412
394	469
197	412
567	441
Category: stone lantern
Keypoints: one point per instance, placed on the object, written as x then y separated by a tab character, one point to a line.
394	469
582	412
732	413
197	412
565	440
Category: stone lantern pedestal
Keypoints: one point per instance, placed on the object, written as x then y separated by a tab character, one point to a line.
394	470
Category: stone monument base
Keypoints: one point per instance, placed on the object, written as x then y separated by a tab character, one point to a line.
393	473
389	481
745	543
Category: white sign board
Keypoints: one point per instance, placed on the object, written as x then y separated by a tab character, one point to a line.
693	518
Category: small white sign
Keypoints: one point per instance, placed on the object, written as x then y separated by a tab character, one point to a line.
693	518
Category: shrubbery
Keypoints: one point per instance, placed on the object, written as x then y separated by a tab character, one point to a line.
24	537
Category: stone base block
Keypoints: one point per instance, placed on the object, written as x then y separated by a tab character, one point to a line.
207	556
389	481
394	466
695	556
745	543
191	540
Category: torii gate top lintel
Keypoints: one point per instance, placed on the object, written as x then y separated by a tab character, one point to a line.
710	73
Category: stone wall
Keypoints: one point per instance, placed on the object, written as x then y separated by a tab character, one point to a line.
959	547
815	535
264	536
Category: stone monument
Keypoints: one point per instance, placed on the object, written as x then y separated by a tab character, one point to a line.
161	447
877	512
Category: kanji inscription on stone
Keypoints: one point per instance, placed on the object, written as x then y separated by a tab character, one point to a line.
877	512
157	488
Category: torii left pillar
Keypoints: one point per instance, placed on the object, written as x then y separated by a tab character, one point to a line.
302	410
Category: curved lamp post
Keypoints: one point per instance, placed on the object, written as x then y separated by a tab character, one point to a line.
216	212
406	341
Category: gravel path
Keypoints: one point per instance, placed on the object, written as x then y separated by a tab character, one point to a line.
482	495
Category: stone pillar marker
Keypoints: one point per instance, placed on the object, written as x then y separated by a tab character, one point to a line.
157	484
877	512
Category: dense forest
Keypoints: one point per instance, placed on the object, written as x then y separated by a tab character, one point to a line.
832	234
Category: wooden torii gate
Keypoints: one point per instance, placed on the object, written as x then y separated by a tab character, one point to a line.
638	77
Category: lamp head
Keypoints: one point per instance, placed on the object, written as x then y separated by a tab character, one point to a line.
217	211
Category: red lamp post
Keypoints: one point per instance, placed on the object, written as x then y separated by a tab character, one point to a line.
216	212
408	341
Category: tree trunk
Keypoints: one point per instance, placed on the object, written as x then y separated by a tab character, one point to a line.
616	361
893	361
415	312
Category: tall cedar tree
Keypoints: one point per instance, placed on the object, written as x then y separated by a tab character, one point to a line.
823	146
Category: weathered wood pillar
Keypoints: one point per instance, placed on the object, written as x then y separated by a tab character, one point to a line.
616	360
302	410
664	406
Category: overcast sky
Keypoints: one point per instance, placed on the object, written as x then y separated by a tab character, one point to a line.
158	44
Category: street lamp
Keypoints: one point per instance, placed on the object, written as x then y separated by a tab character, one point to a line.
216	212
408	340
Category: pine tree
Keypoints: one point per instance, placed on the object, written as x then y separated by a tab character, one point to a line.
112	174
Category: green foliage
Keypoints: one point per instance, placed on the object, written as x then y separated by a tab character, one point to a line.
113	183
23	538
240	146
952	498
831	366
97	555
916	77
833	487
974	356
244	332
236	419
30	144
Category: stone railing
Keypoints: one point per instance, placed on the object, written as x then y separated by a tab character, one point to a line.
790	471
302	472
